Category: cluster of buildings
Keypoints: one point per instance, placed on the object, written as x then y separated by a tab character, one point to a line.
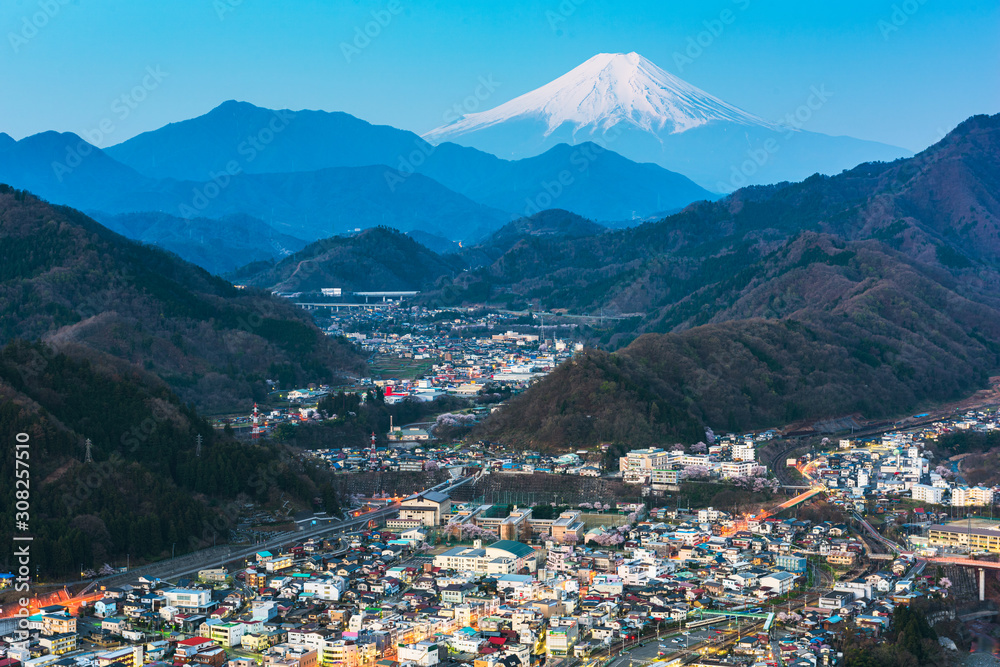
381	599
461	347
899	463
412	449
464	367
731	457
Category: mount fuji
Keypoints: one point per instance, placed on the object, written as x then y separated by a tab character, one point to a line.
628	104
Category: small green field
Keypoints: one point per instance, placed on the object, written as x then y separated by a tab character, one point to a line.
384	367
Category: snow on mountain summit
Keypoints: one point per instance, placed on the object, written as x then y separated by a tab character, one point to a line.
606	90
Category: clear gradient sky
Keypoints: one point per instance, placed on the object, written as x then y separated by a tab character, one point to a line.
901	71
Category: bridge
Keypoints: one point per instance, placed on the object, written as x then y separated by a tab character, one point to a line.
385	295
802	497
767	616
976	614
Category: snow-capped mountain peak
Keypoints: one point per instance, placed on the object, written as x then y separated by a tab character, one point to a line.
604	91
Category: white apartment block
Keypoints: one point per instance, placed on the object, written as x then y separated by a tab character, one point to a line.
927	494
728	469
963	496
644	460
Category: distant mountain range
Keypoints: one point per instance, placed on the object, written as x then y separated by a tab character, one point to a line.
309	175
628	104
614	141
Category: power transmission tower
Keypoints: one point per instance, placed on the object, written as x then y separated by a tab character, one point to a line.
197	447
89	456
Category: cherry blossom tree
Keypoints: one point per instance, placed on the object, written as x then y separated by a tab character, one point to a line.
449	425
755	484
694	472
699	448
609	539
471	531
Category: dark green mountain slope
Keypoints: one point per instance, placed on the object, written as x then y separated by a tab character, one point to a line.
68	280
376	259
861	330
146	493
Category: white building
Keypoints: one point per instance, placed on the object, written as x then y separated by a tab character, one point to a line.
502	557
729	469
744	452
644	459
963	496
423	653
779	582
187	599
330	588
927	494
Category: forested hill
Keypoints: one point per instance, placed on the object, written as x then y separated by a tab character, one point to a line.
68	280
873	333
146	492
376	259
875	291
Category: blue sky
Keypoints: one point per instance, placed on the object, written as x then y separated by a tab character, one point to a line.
900	72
